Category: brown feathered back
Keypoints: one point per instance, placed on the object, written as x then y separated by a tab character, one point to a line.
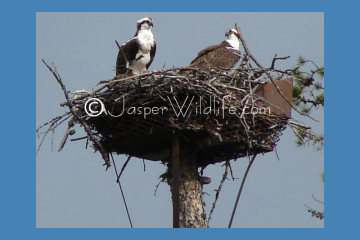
221	55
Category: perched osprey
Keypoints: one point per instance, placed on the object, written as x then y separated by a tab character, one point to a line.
226	54
136	55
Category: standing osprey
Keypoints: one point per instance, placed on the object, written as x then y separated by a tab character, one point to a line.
136	55
226	54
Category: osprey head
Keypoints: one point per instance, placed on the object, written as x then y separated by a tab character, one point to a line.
232	37
232	34
144	24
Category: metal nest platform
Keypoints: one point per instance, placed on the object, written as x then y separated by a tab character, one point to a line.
220	114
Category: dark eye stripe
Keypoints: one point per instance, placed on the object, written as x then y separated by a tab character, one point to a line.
235	33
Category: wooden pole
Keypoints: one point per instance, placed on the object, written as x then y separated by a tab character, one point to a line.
176	179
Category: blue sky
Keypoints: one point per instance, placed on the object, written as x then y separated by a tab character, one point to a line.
72	187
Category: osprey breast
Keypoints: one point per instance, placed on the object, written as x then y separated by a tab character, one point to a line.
146	41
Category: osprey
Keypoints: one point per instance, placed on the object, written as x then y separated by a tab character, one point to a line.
136	55
226	54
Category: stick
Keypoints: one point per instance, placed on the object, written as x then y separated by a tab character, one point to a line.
218	191
122	193
122	169
277	58
240	190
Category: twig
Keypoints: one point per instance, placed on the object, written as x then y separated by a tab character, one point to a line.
315	213
122	193
277	58
218	192
80	138
158	186
55	119
277	154
123	54
42	140
68	130
99	147
118	44
53	123
240	190
122	169
231	171
128	78
316	199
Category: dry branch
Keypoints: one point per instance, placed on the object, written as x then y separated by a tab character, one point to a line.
227	166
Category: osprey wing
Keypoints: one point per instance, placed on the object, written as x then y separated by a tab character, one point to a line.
226	58
204	57
152	55
126	55
221	55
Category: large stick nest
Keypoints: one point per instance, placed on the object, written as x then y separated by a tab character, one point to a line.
139	114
